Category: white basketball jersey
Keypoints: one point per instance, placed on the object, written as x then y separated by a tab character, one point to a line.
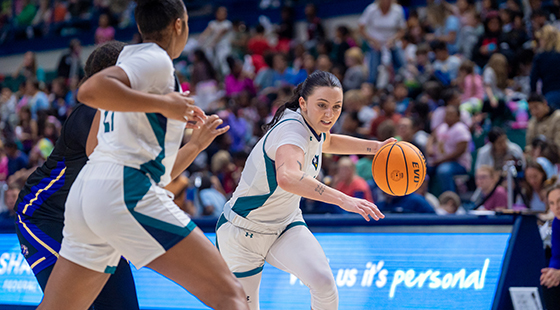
258	203
145	141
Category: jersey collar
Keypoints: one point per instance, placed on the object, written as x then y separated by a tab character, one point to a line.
317	136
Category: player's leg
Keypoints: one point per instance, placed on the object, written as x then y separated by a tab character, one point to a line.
119	293
72	287
195	264
244	252
85	260
298	252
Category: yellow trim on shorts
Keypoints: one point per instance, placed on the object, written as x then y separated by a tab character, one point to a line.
37	262
37	239
44	189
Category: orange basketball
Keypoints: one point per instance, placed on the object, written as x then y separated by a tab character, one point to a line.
399	168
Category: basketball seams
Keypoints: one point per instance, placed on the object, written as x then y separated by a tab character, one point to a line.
387	167
406	166
423	164
375	159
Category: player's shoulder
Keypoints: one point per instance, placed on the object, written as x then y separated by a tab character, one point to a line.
146	52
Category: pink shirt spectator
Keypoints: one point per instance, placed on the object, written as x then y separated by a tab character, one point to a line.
357	188
235	86
498	199
4	168
103	35
438	118
447	140
472	87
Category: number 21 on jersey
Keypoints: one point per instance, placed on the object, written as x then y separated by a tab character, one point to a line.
108	121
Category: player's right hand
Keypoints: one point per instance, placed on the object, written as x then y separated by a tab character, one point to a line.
362	207
180	107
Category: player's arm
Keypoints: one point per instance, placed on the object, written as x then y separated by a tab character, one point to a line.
200	140
92	136
291	178
110	90
346	145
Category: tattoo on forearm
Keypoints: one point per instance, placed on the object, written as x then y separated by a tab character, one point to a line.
280	166
299	165
320	189
369	149
303	176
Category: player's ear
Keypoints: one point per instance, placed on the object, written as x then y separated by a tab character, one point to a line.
302	104
178	25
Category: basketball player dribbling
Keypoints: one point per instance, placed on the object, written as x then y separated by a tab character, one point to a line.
117	205
263	222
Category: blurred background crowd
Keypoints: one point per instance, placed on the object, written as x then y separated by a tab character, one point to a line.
473	84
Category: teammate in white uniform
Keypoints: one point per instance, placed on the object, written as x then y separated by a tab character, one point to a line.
117	206
263	222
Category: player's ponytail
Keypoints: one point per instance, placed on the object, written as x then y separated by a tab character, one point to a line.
304	90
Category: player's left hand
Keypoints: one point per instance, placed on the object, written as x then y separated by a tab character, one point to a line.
380	144
550	277
208	131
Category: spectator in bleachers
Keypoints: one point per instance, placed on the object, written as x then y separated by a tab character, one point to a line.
286	30
25	17
468	35
8	103
27	129
409	48
17	160
258	44
544	121
283	75
495	79
498	150
413	203
315	31
42	20
446	67
400	92
446	26
59	98
545	64
546	154
70	65
418	73
265	77
239	39
237	81
450	204
522	80
216	40
342	42
430	198
348	182
105	32
382	24
355	75
533	187
471	87
388	107
204	199
8	217
448	150
59	11
451	97
34	98
408	131
490	42
29	68
3	164
493	196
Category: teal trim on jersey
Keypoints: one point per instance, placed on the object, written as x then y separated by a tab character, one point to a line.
110	269
221	221
154	167
136	185
244	205
249	273
294	224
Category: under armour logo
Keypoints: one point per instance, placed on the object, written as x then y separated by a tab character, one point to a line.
250	235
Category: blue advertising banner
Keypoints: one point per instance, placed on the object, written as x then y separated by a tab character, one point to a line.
372	270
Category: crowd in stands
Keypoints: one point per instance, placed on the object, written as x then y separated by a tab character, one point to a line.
471	84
